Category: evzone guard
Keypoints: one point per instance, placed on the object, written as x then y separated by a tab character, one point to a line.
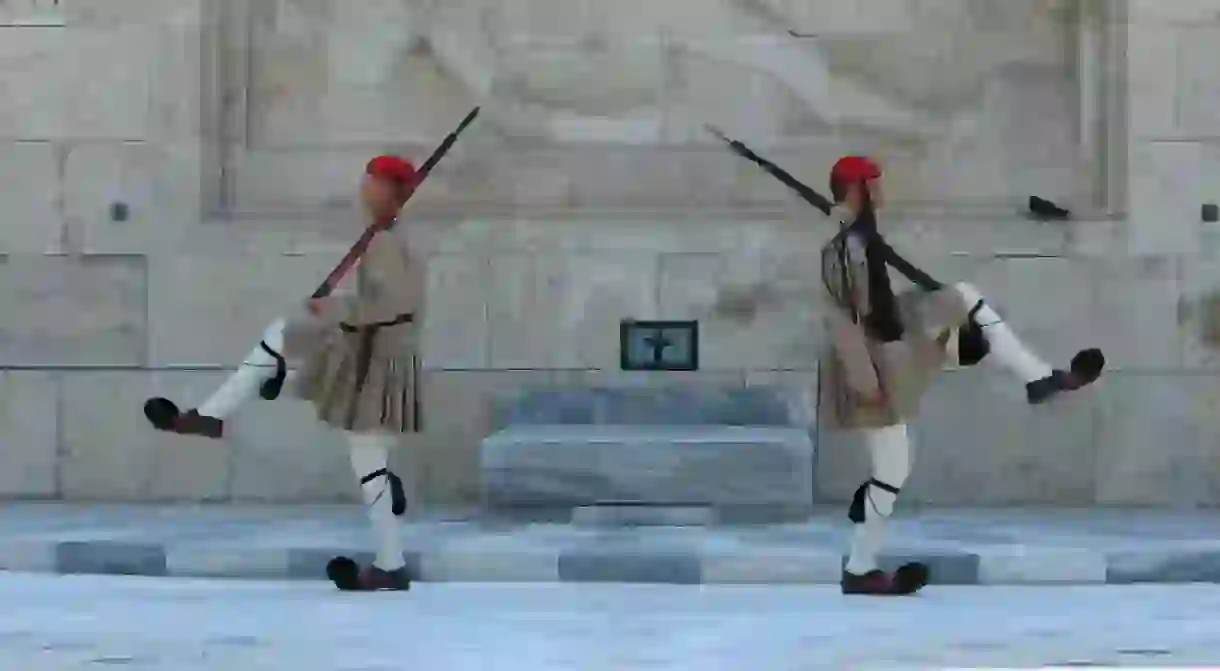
358	366
886	349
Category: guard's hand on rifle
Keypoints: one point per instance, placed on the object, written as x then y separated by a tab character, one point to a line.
320	307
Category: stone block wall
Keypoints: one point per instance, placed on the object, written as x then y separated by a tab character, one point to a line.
233	131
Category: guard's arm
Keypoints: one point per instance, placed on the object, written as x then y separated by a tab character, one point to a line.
852	351
851	341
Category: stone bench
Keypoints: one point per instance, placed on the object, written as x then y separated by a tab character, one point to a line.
664	465
724	449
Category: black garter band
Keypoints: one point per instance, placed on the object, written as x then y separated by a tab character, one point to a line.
972	345
272	388
856	512
398	496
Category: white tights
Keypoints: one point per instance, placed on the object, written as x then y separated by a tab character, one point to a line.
371	453
1006	348
889	449
243	385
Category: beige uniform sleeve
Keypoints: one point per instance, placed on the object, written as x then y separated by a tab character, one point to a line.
857	276
847	330
852	350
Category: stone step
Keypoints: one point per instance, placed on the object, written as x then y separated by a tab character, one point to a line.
583	465
962	546
643	514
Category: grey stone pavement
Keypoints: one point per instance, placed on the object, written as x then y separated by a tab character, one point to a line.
963	546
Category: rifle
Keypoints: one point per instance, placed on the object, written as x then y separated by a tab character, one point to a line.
812	197
357	250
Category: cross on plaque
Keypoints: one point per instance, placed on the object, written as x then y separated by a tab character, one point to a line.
659	345
658	342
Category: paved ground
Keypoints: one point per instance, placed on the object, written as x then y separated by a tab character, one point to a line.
963	546
96	622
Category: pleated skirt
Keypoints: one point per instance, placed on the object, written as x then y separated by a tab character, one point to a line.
362	379
907	367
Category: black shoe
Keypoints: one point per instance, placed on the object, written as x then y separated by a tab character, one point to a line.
350	577
907	580
1040	391
1087	366
164	415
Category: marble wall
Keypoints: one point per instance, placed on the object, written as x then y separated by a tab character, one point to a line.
592	105
233	131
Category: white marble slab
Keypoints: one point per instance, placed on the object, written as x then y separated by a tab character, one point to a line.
720	466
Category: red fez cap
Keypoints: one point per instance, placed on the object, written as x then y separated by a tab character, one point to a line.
851	169
395	169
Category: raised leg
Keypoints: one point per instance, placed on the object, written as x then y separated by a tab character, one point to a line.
263	372
890	452
385	499
1006	348
1042	382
